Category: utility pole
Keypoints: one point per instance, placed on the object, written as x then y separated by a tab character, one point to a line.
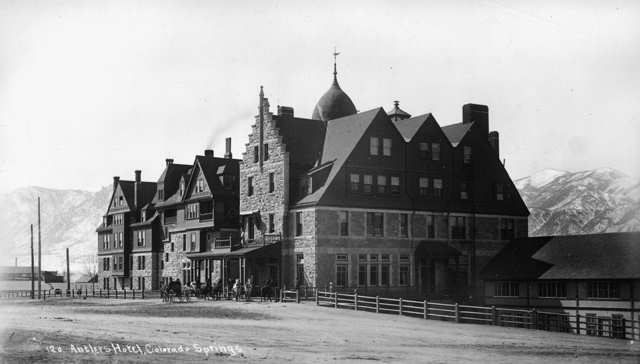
33	271
39	254
68	273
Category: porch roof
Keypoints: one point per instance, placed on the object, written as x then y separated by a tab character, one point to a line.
250	250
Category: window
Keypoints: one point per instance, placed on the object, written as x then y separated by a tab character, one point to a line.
373	269
300	279
404	271
552	289
272	226
362	270
161	264
166	257
374	145
506	289
354	182
121	263
200	185
249	186
192	211
343	221
435	151
120	235
120	201
395	185
181	187
386	147
403	227
431	231
375	224
507	228
193	242
140	238
385	270
467	154
423	150
160	194
298	223
423	186
499	191
266	152
458	228
141	262
603	289
184	242
172	246
464	194
272	185
368	183
250	228
437	188
342	270
382	184
105	264
256	154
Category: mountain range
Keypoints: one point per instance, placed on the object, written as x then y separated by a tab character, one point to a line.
560	202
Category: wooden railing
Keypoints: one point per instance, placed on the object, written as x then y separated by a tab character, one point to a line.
222	243
80	293
606	326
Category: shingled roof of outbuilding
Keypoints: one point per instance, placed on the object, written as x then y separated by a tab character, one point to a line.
594	256
456	132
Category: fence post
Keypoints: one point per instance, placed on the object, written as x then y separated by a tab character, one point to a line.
577	323
457	311
116	293
317	298
534	319
355	301
142	292
400	306
377	304
297	296
426	310
100	292
335	299
494	315
125	294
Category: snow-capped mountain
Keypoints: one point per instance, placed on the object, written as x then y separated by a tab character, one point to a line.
68	219
600	200
560	203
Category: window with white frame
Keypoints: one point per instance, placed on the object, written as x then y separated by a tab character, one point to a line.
375	224
603	289
403	228
506	289
342	270
386	147
395	185
467	154
435	151
367	186
343	222
404	265
374	145
437	188
354	182
381	184
423	150
555	289
423	186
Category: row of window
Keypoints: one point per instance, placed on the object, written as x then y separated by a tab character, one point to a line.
272	184
118	201
373	270
256	153
425	150
558	289
118	219
118	263
384	184
118	239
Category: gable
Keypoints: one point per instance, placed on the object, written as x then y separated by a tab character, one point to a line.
119	201
198	184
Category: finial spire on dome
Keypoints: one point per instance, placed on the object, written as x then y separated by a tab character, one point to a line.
335	68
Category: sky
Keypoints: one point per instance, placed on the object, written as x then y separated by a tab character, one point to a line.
94	89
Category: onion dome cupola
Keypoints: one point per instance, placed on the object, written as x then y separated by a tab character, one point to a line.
335	103
397	113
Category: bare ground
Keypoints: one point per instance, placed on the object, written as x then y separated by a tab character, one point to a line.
273	332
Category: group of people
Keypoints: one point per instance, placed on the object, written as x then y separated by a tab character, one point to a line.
236	287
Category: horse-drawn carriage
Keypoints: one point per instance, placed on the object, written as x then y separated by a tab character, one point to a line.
175	291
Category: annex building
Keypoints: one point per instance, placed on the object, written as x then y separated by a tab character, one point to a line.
379	201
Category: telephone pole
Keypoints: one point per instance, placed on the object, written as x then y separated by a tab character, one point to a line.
33	271
68	273
39	254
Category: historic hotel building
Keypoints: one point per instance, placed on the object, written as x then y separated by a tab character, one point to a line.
378	201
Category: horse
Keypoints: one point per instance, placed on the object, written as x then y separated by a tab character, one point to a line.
216	289
238	289
267	291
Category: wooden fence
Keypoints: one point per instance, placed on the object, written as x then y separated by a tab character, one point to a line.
614	327
80	293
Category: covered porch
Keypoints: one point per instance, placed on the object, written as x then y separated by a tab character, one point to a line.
442	270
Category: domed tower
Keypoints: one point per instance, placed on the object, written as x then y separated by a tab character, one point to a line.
335	103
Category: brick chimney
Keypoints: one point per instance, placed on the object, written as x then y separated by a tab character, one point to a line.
208	152
494	141
116	179
169	161
478	114
227	150
285	111
137	189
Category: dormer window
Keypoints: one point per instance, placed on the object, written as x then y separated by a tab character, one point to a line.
374	145
200	185
181	188
386	147
120	201
423	150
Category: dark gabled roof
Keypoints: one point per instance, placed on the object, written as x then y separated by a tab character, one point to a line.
303	139
456	132
148	192
170	178
147	222
595	256
409	127
127	190
341	137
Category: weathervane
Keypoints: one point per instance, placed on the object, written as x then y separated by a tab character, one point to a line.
335	59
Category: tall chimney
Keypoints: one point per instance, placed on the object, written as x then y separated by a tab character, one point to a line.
137	190
494	141
116	179
208	152
169	161
227	150
478	114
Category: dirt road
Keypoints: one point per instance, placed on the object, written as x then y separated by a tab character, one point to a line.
101	330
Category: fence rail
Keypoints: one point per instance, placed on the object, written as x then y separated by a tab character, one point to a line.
614	327
81	293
